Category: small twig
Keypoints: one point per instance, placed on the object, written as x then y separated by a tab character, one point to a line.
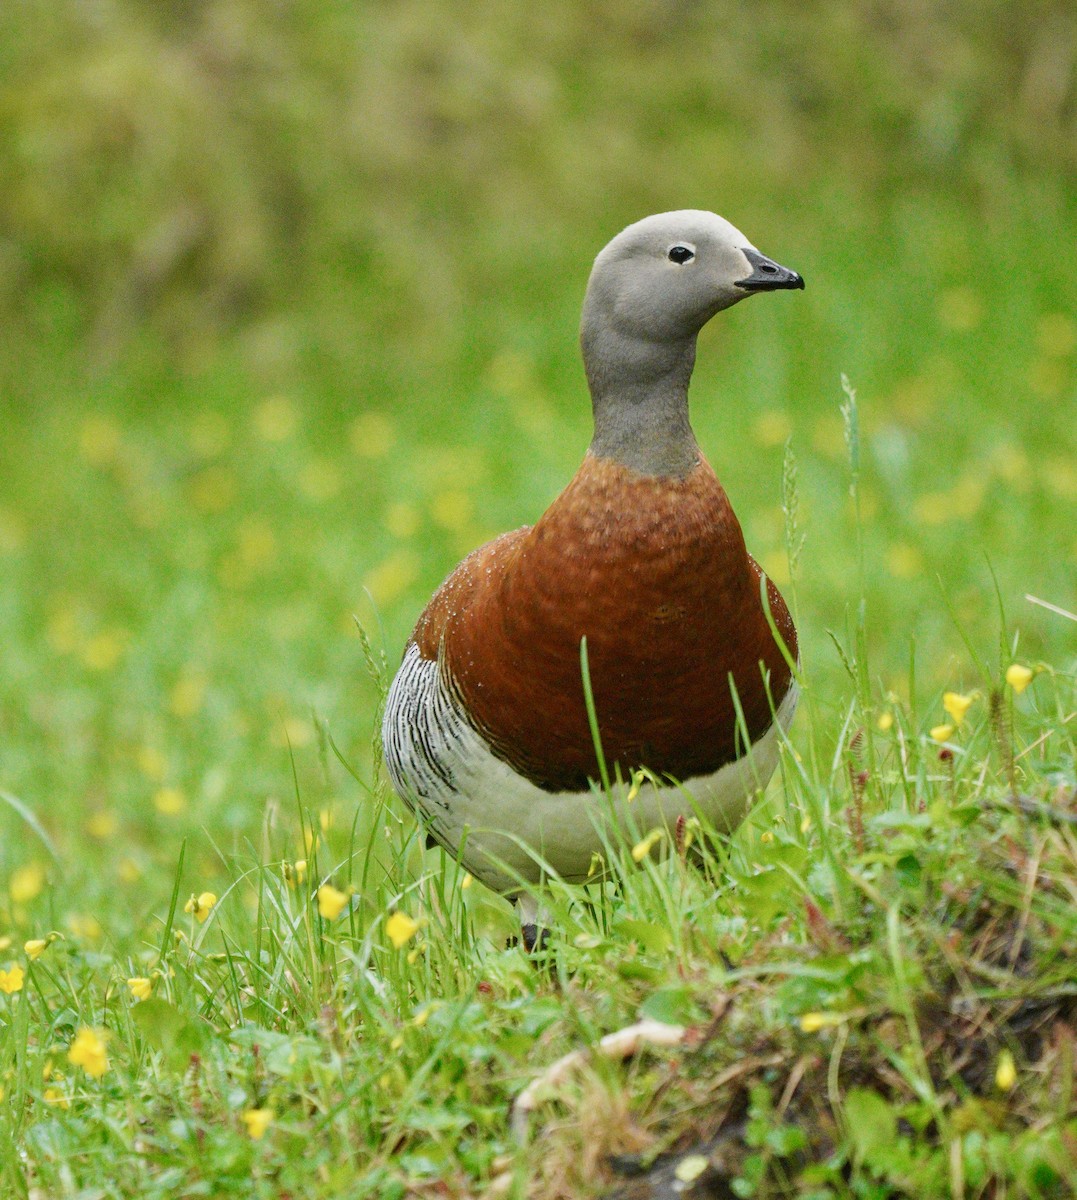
1043	737
1062	612
792	1083
621	1044
1026	906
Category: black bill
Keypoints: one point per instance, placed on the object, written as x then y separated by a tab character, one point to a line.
767	275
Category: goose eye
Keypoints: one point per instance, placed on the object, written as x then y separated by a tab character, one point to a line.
681	254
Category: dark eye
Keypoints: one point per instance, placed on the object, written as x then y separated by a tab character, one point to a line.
681	254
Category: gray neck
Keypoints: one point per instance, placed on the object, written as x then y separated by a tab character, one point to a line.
639	393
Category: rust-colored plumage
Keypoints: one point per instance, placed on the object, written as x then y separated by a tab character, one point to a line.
485	727
653	571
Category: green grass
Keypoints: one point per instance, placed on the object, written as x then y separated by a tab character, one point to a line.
855	968
217	452
892	889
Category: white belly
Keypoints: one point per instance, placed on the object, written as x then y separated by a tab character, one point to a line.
501	826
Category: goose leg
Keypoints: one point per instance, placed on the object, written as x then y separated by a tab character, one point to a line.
534	933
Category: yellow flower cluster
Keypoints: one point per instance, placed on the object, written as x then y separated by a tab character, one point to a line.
200	906
1005	1072
1019	677
26	883
331	902
400	929
257	1121
813	1022
11	980
141	987
956	705
645	845
88	1051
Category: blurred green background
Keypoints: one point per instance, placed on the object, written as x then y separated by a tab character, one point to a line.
289	295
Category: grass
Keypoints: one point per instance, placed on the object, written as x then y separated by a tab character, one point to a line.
861	970
346	356
876	975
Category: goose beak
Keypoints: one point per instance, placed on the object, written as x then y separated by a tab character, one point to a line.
767	275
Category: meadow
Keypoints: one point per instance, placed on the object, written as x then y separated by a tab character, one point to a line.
290	298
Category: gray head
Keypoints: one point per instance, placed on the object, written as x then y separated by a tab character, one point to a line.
651	291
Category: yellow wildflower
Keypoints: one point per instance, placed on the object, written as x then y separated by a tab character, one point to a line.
55	1096
642	848
12	531
88	1052
141	987
169	801
187	695
1005	1072
100	439
812	1022
320	479
64	630
102	824
885	721
402	520
11	980
35	947
960	309
292	732
451	509
1056	334
26	883
256	544
775	564
257	1120
103	651
200	905
212	490
466	882
772	428
957	705
152	763
84	925
209	434
276	418
1018	677
294	873
331	901
391	578
128	870
904	561
941	732
400	929
372	435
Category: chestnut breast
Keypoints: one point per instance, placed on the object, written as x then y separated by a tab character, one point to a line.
653	571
